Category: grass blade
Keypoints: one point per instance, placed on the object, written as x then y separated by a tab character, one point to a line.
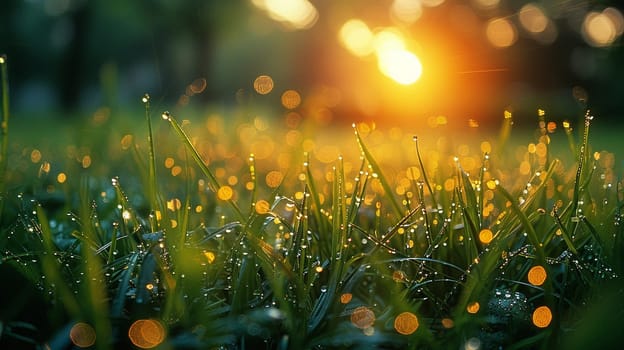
212	179
377	169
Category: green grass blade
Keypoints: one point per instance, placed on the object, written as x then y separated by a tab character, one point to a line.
582	162
52	269
119	302
213	183
152	190
526	224
377	169
424	174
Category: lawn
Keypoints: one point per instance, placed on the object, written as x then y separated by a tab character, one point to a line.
210	229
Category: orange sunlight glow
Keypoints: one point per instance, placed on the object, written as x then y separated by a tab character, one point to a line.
400	65
393	59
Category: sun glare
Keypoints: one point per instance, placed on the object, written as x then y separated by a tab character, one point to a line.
400	65
393	60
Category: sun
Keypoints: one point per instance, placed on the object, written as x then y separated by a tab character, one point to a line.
401	66
394	60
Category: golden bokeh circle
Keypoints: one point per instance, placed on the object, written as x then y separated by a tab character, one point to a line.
473	307
225	193
486	236
537	275
146	333
406	323
82	335
362	317
262	207
542	316
263	84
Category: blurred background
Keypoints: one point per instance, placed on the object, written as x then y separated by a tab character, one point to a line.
398	61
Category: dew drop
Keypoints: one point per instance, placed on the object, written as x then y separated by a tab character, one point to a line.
145	98
166	115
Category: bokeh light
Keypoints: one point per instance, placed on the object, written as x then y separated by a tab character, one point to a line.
35	156
448	323
356	37
407	11
501	32
294	14
210	257
291	99
542	316
406	323
486	236
602	28
362	317
86	161
473	307
82	335
262	207
274	178
126	141
146	333
225	193
263	84
532	18
537	275
486	4
198	85
345	298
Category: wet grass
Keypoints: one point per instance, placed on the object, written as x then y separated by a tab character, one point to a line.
236	232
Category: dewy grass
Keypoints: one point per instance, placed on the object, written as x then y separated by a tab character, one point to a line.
217	249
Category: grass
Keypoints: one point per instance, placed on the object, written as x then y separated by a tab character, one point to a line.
251	233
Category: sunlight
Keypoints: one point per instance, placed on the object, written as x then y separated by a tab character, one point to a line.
400	65
394	61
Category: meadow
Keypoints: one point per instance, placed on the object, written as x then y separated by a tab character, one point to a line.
247	229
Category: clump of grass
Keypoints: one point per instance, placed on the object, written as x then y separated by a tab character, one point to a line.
452	252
